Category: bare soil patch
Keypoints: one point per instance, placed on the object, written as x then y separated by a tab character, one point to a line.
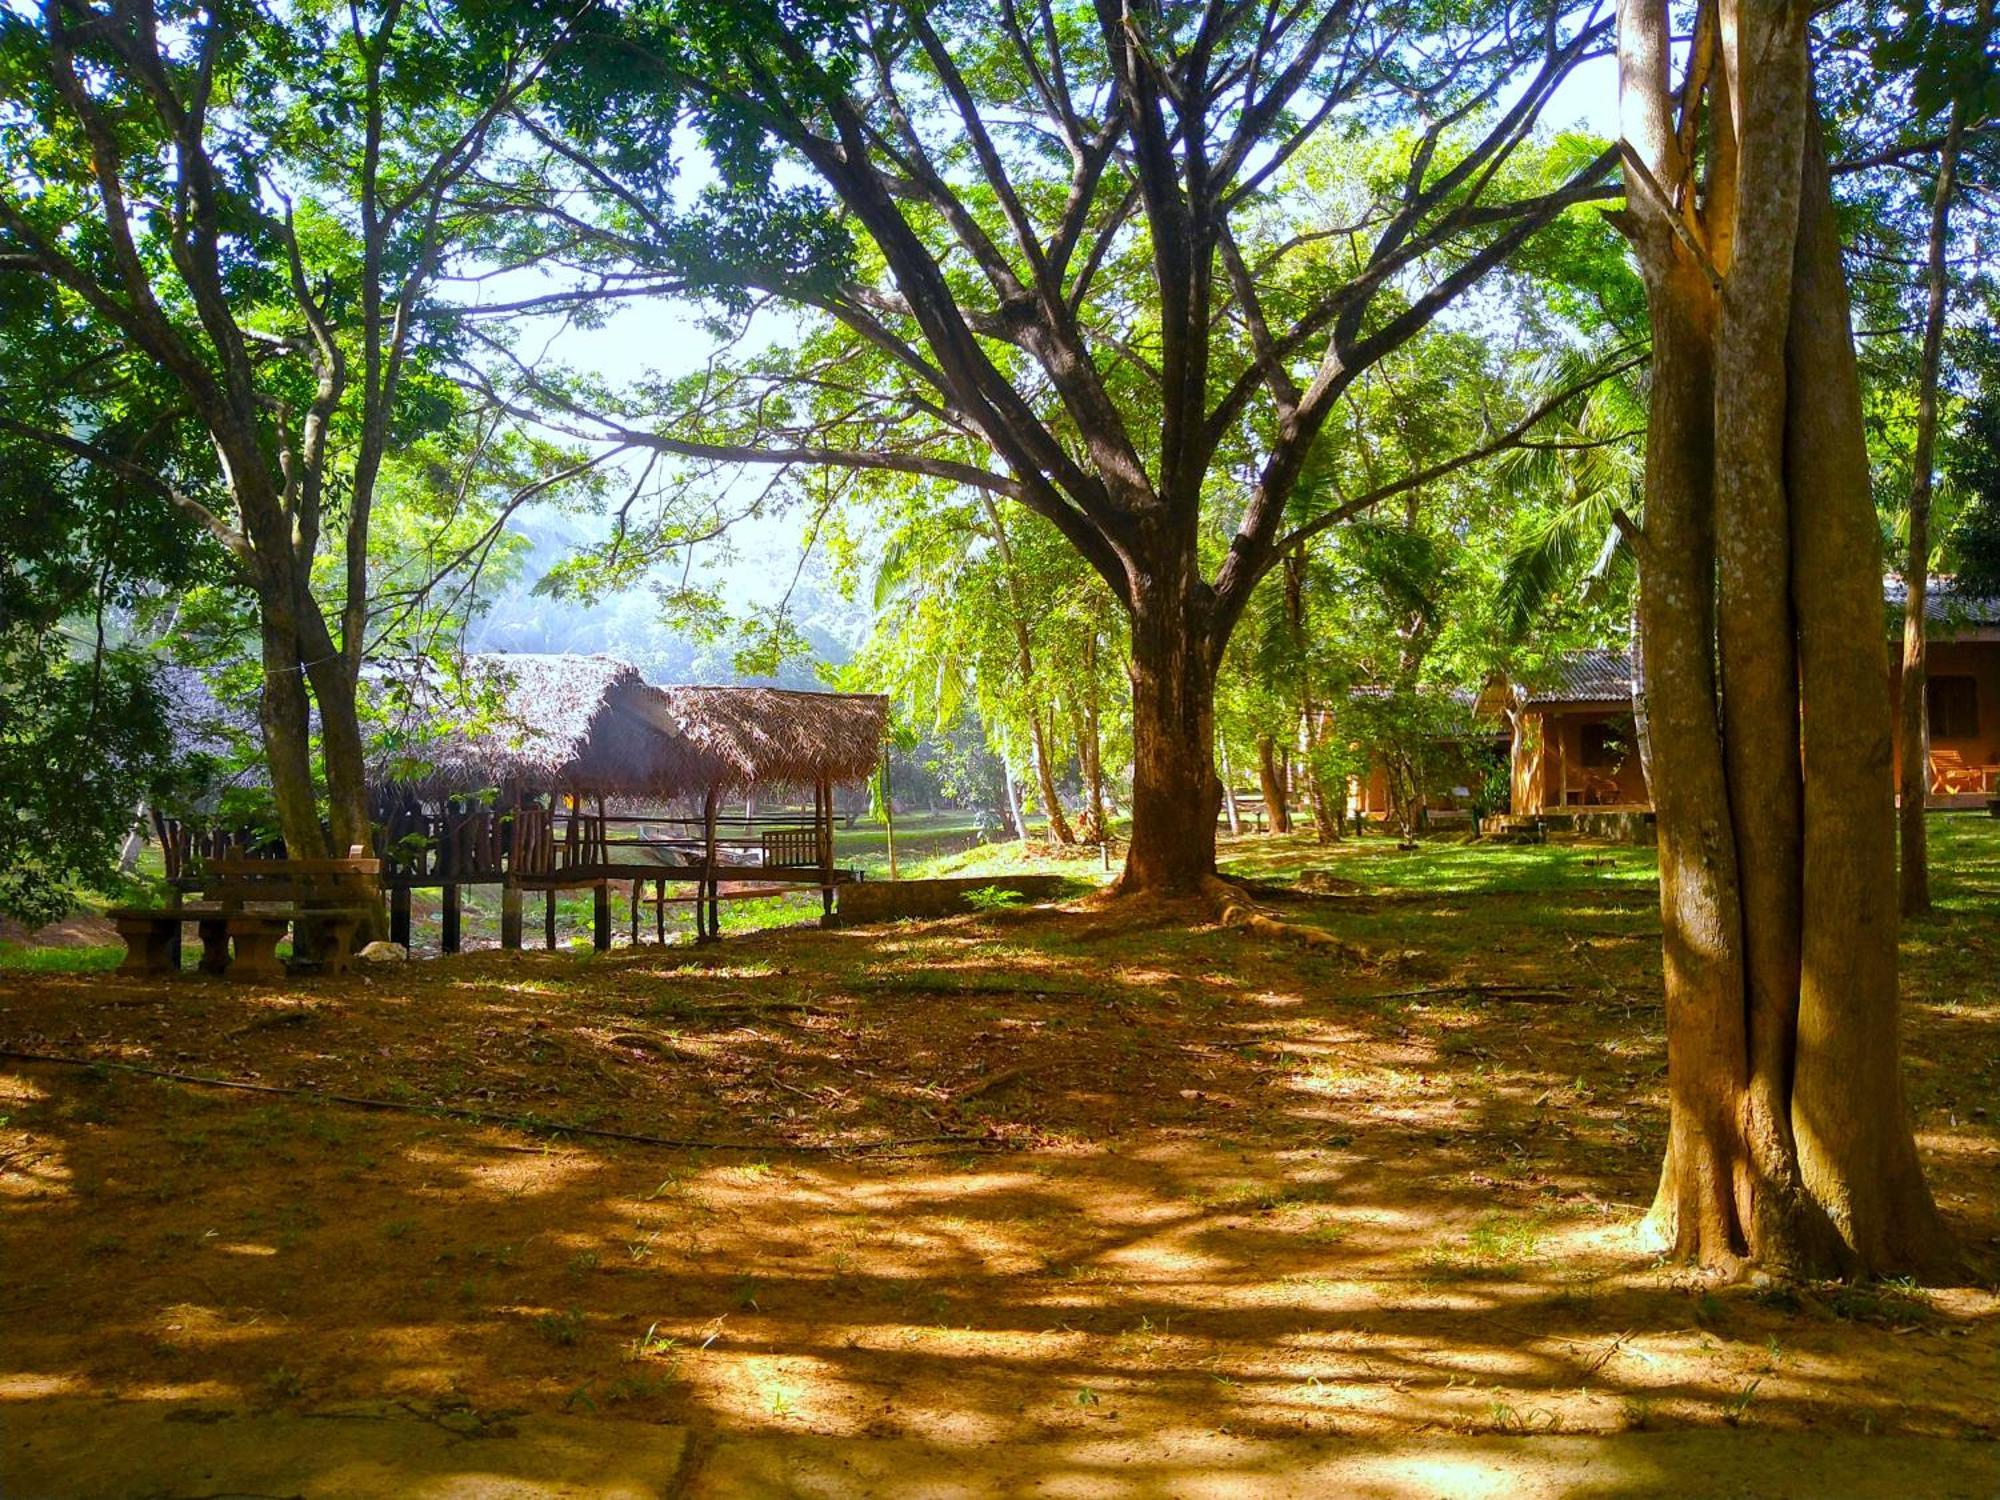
1191	1184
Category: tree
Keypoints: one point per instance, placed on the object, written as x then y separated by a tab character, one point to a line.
1789	1144
85	557
975	607
245	218
1951	82
1056	218
1973	462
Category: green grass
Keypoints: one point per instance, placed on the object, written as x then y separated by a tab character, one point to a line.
1449	865
91	960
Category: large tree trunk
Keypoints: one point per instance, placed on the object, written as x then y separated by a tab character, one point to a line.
1756	631
1788	1144
284	712
1176	796
1856	1151
1913	722
350	813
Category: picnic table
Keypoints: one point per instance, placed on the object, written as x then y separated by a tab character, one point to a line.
249	905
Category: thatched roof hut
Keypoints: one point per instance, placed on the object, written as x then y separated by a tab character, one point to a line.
592	725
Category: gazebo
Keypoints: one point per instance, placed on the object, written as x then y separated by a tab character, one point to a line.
551	773
561	772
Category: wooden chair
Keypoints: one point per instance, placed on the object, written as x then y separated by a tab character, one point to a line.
1953	775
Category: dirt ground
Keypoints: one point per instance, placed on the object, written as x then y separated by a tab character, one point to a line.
1036	1173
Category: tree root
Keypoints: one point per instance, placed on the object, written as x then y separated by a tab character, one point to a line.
1233	908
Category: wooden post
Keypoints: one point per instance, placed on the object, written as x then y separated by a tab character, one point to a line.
889	814
823	805
449	921
659	912
549	920
399	914
638	890
600	916
510	916
709	884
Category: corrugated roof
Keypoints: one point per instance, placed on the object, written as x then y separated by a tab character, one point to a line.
1591	676
1944	604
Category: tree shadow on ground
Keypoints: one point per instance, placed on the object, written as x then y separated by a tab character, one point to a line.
1192	1189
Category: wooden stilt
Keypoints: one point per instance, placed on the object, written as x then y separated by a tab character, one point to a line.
659	912
823	819
549	919
510	917
399	915
638	892
448	922
888	813
600	916
709	884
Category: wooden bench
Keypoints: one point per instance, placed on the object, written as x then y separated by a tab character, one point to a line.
250	905
790	848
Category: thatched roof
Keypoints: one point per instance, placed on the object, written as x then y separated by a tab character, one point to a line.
547	723
780	736
592	724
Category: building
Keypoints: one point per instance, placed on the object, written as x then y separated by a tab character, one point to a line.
1961	694
1576	744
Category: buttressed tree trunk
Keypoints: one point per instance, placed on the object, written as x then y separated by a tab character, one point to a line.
1789	1146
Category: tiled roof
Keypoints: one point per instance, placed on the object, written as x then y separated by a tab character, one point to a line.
1592	676
1944	604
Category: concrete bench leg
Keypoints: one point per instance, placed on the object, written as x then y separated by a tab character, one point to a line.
256	948
340	933
148	946
214	946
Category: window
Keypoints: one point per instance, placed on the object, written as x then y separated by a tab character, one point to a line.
1954	708
1604	746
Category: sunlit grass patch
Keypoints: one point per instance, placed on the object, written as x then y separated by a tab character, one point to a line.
1499	1245
86	960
